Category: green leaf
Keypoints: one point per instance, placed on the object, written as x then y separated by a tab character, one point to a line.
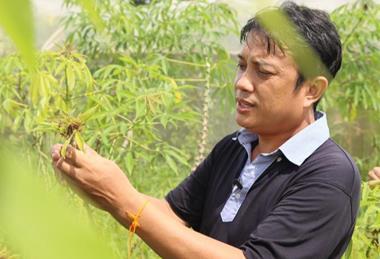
171	164
9	105
178	157
70	77
281	28
65	145
28	122
140	108
90	7
35	88
130	162
16	18
85	116
44	89
104	138
79	140
164	120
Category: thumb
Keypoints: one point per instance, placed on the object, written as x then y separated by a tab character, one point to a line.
374	183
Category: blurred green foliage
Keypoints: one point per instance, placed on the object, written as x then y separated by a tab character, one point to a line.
355	88
16	18
143	76
353	99
366	238
40	222
352	103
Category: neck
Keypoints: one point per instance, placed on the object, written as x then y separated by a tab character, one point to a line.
268	143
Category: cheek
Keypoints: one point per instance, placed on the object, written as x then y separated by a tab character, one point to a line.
278	101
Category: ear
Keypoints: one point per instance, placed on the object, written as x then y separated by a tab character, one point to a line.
315	88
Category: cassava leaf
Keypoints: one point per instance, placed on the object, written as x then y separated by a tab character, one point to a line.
79	140
65	145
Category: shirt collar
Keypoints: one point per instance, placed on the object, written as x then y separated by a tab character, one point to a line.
300	146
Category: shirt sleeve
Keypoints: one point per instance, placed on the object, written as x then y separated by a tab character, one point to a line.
187	199
310	221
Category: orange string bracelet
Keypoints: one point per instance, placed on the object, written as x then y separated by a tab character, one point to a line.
133	226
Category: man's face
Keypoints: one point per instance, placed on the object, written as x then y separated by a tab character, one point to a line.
266	100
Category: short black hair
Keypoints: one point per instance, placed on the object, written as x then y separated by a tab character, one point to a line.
317	30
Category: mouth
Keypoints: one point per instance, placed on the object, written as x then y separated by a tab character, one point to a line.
243	105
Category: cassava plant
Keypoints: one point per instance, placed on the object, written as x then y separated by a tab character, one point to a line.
148	96
70	129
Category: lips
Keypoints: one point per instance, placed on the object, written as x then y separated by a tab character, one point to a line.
243	105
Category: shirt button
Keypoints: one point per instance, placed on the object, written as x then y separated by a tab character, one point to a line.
237	196
279	159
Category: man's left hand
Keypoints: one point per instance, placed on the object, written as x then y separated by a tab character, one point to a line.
99	179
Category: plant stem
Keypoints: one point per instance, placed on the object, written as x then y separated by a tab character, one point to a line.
67	96
185	62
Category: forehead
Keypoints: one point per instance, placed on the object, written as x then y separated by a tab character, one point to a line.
258	45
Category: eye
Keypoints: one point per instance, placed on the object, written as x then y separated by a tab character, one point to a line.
264	72
241	66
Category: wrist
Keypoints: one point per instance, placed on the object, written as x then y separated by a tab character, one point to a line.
127	205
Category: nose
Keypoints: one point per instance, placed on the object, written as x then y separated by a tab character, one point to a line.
243	83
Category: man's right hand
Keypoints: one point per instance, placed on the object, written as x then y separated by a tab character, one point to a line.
374	177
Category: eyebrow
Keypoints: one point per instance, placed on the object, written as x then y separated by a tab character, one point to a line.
258	61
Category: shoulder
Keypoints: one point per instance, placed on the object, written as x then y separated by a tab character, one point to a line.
331	164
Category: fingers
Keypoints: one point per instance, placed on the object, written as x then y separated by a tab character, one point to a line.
74	159
66	168
60	166
78	157
72	156
374	174
55	152
377	172
374	177
373	183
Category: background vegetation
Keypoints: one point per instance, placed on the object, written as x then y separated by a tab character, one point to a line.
152	84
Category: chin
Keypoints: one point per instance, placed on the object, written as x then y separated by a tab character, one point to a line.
244	121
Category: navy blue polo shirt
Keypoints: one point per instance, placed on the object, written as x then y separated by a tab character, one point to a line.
290	211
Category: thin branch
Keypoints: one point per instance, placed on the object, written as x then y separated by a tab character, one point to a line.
185	62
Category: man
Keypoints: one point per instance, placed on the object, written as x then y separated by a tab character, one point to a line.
278	188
